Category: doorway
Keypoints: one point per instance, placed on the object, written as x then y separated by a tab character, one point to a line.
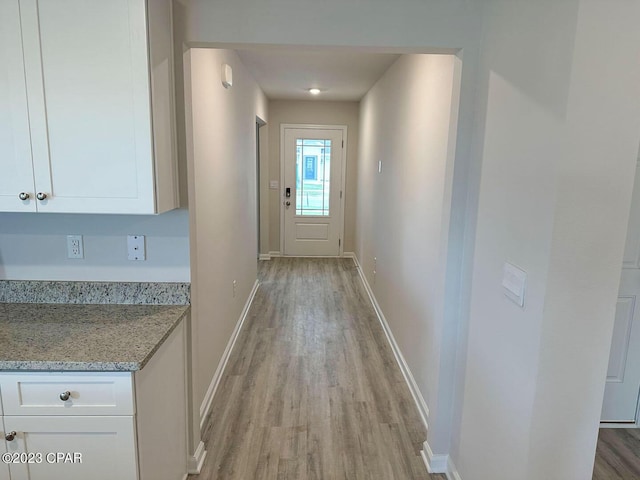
313	180
620	404
618	442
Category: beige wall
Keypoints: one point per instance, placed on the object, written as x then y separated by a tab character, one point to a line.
318	113
222	187
408	124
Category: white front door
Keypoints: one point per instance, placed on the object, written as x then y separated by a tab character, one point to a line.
312	190
623	376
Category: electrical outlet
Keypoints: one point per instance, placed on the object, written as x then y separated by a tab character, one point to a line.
235	284
74	246
135	247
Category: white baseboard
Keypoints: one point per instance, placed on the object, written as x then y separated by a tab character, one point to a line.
423	409
452	473
438	463
618	425
270	255
435	463
217	376
197	460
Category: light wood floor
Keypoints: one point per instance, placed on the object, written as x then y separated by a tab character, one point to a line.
312	390
618	454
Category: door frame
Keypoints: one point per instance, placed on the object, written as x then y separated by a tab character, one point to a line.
259	175
343	174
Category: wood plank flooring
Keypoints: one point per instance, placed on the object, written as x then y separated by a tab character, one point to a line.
618	454
312	390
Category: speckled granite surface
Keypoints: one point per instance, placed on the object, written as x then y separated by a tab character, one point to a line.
83	337
124	293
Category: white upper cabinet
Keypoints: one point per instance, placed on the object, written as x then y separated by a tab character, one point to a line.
16	170
100	116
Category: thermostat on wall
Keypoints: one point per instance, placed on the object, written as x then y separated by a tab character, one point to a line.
227	75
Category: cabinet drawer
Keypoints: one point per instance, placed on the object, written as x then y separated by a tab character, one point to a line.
88	393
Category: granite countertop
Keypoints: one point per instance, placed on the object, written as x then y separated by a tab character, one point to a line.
55	337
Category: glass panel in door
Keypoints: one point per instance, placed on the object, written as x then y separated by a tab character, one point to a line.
313	177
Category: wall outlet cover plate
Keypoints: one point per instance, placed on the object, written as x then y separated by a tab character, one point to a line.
514	281
135	247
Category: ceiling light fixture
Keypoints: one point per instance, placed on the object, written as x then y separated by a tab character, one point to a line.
314	91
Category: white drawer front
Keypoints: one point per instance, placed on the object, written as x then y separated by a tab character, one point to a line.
88	393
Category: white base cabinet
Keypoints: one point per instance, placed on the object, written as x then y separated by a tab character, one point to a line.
87	114
4	467
99	425
72	448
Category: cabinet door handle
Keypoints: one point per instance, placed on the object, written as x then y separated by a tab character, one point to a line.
41	196
9	437
24	196
64	396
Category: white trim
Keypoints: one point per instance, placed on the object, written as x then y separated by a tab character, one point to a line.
197	460
434	463
423	409
343	181
452	472
314	256
619	425
270	255
438	463
217	376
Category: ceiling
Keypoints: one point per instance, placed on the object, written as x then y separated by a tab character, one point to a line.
285	74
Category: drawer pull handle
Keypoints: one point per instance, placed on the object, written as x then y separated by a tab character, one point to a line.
24	196
64	396
41	196
9	437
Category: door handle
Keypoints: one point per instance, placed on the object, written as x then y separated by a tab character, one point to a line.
287	203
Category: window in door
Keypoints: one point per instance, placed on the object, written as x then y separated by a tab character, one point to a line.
313	176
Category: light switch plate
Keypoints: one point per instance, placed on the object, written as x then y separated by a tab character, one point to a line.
514	281
135	247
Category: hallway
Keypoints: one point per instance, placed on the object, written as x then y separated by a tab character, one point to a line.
312	390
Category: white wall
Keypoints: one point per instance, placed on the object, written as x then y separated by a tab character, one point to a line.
222	187
33	246
371	24
559	139
318	113
407	122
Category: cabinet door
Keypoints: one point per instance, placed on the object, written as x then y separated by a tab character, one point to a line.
4	468
89	102
16	171
99	448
